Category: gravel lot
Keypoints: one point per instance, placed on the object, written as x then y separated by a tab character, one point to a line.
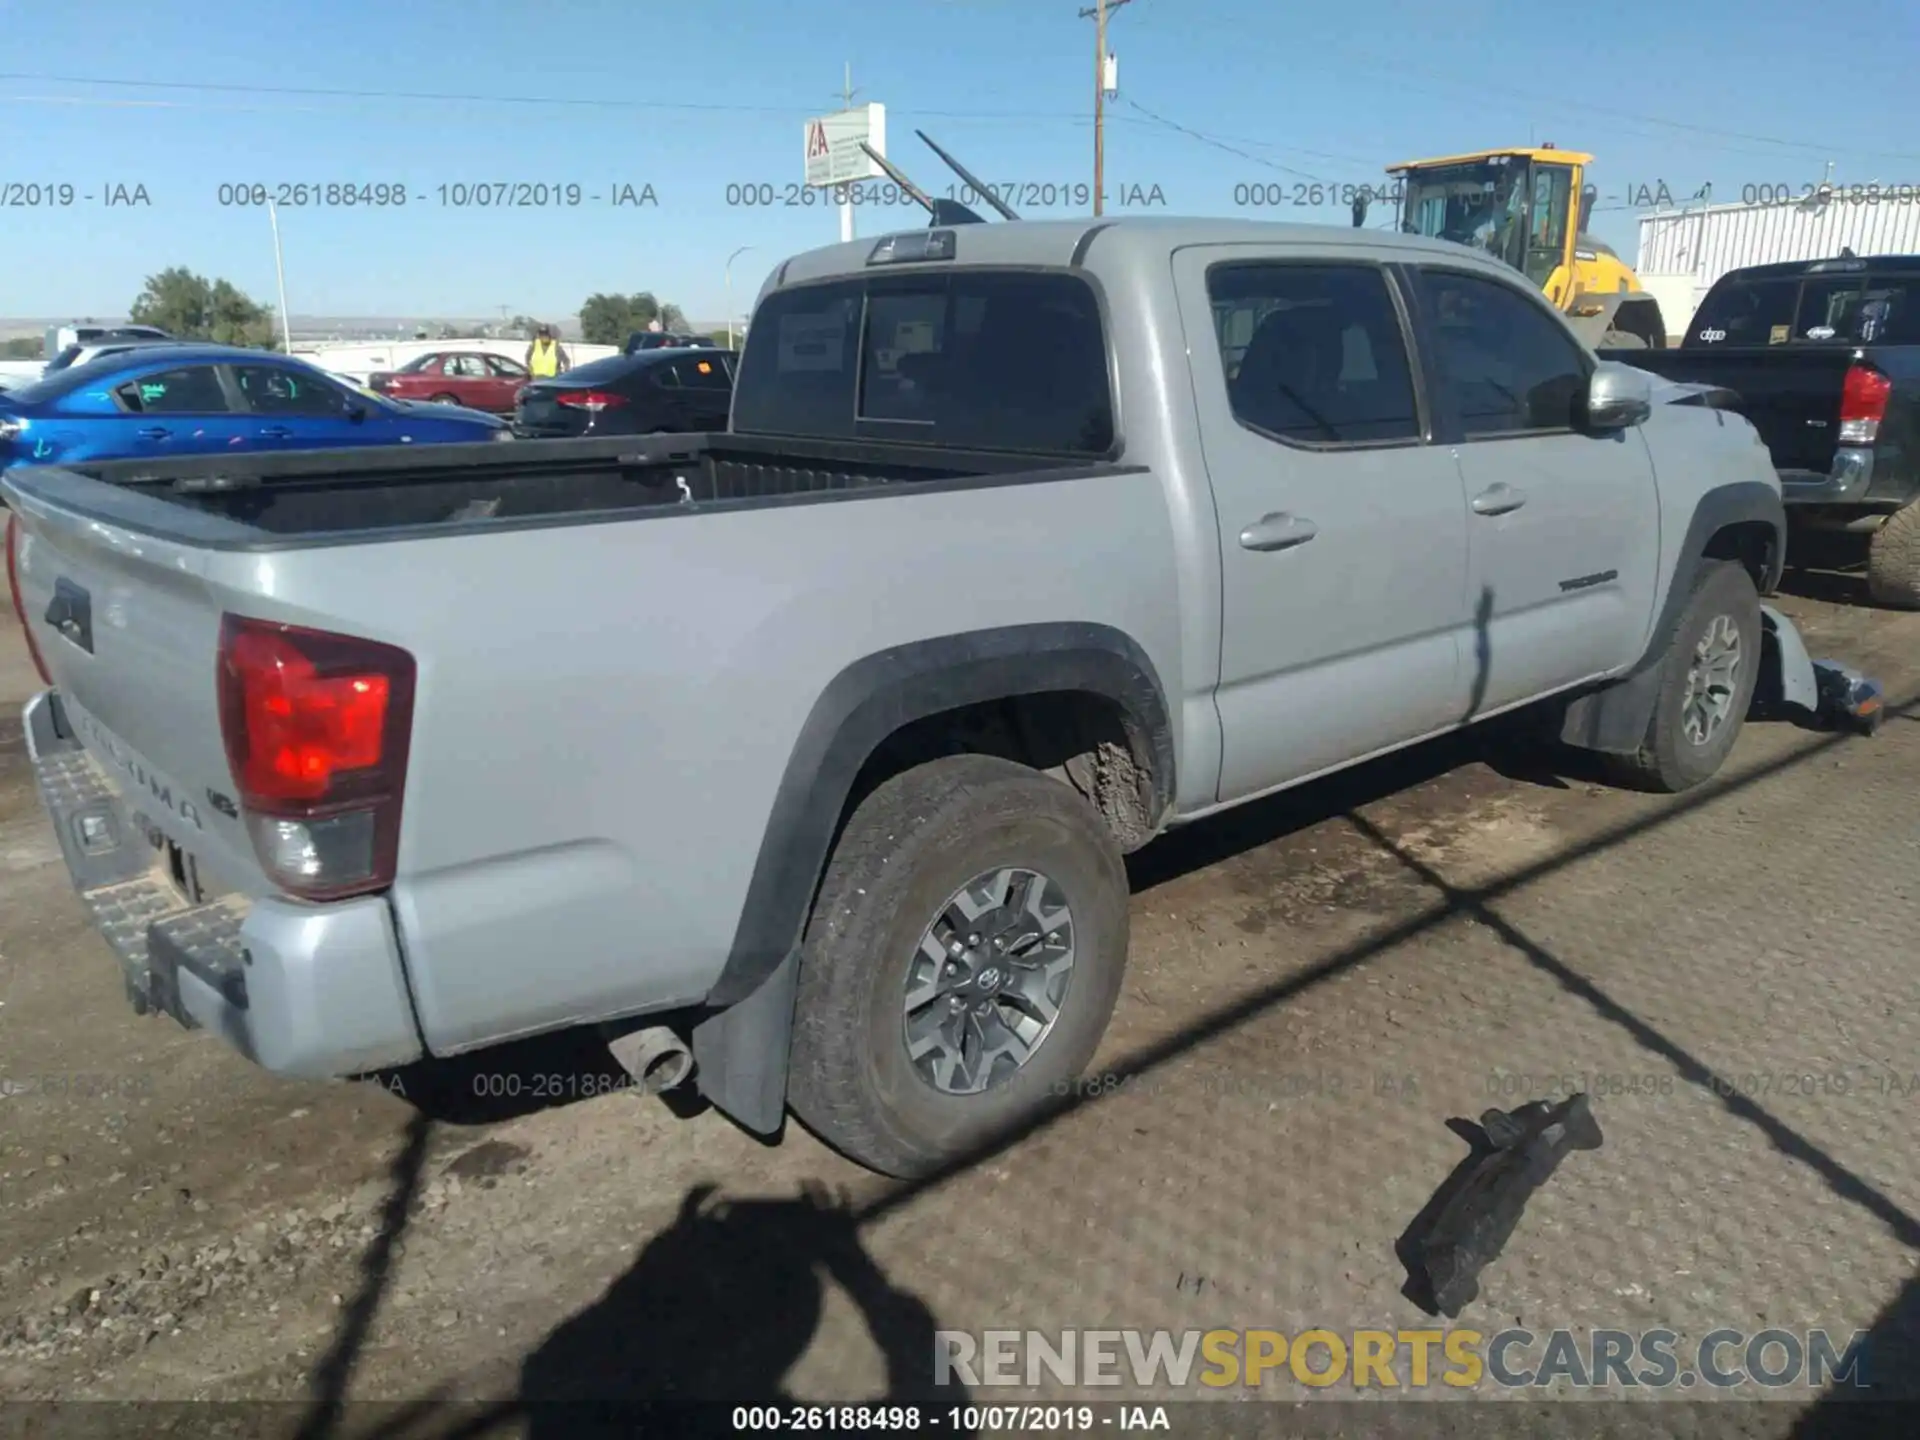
1318	985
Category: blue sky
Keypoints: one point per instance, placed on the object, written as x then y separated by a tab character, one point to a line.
1732	92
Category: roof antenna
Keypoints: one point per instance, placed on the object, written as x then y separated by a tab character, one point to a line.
939	212
1006	210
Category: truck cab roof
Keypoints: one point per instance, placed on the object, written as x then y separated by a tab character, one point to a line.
1066	243
1830	264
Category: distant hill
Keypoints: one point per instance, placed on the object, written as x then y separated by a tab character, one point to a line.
311	328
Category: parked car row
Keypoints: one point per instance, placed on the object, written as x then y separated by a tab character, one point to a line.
141	398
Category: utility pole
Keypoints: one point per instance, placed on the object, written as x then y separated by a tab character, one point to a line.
728	273
1098	14
280	276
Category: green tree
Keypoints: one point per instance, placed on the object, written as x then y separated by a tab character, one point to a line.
605	320
610	319
23	348
195	308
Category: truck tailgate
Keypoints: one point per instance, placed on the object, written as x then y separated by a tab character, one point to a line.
129	630
1791	394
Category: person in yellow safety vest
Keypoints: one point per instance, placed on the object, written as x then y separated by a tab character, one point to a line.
545	358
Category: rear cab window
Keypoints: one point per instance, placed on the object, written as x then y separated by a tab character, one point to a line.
1747	312
1832	308
1857	310
969	359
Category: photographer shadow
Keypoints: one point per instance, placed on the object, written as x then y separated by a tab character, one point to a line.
713	1315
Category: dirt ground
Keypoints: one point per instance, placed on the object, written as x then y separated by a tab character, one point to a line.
1318	985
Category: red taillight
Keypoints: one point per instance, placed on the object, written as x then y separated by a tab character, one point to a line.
1863	404
595	400
19	604
316	727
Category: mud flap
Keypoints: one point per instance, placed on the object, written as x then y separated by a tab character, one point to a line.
740	1053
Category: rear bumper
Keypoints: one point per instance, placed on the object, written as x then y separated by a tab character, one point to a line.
306	990
1849	479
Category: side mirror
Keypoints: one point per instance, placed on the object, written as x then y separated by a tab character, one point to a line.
1359	210
1587	196
1618	397
356	412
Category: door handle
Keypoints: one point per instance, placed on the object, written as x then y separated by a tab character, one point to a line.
1278	531
275	432
1501	499
155	432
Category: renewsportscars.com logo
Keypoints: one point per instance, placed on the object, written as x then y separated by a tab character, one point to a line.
1401	1359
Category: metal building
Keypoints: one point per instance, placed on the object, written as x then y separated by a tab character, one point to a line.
1700	244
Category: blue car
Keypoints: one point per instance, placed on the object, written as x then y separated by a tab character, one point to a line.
161	400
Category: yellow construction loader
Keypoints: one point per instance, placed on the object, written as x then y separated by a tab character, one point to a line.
1530	207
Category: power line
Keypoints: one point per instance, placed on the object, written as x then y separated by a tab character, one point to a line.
442	96
1398	74
1220	144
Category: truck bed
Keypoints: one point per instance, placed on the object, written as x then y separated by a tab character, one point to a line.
345	496
1790	393
604	707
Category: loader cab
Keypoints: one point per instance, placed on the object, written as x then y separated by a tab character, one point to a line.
1524	207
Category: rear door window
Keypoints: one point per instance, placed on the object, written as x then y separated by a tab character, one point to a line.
191	390
1313	353
991	360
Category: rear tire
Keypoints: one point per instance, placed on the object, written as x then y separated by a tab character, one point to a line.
902	865
1623	340
444	400
1708	673
1893	560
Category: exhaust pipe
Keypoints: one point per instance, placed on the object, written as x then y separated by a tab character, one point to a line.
655	1057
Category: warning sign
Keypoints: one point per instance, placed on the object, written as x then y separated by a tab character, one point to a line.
833	153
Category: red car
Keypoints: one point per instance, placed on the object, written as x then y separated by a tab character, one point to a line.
473	378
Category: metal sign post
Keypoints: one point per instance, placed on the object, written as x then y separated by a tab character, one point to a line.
834	157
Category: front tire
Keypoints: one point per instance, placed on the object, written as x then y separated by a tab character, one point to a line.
1893	560
1709	670
444	400
960	965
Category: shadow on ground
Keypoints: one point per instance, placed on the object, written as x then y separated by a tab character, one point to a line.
722	1303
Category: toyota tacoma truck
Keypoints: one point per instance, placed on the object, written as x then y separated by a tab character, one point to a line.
1823	357
803	756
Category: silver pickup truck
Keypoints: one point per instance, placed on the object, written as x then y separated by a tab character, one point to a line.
803	756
